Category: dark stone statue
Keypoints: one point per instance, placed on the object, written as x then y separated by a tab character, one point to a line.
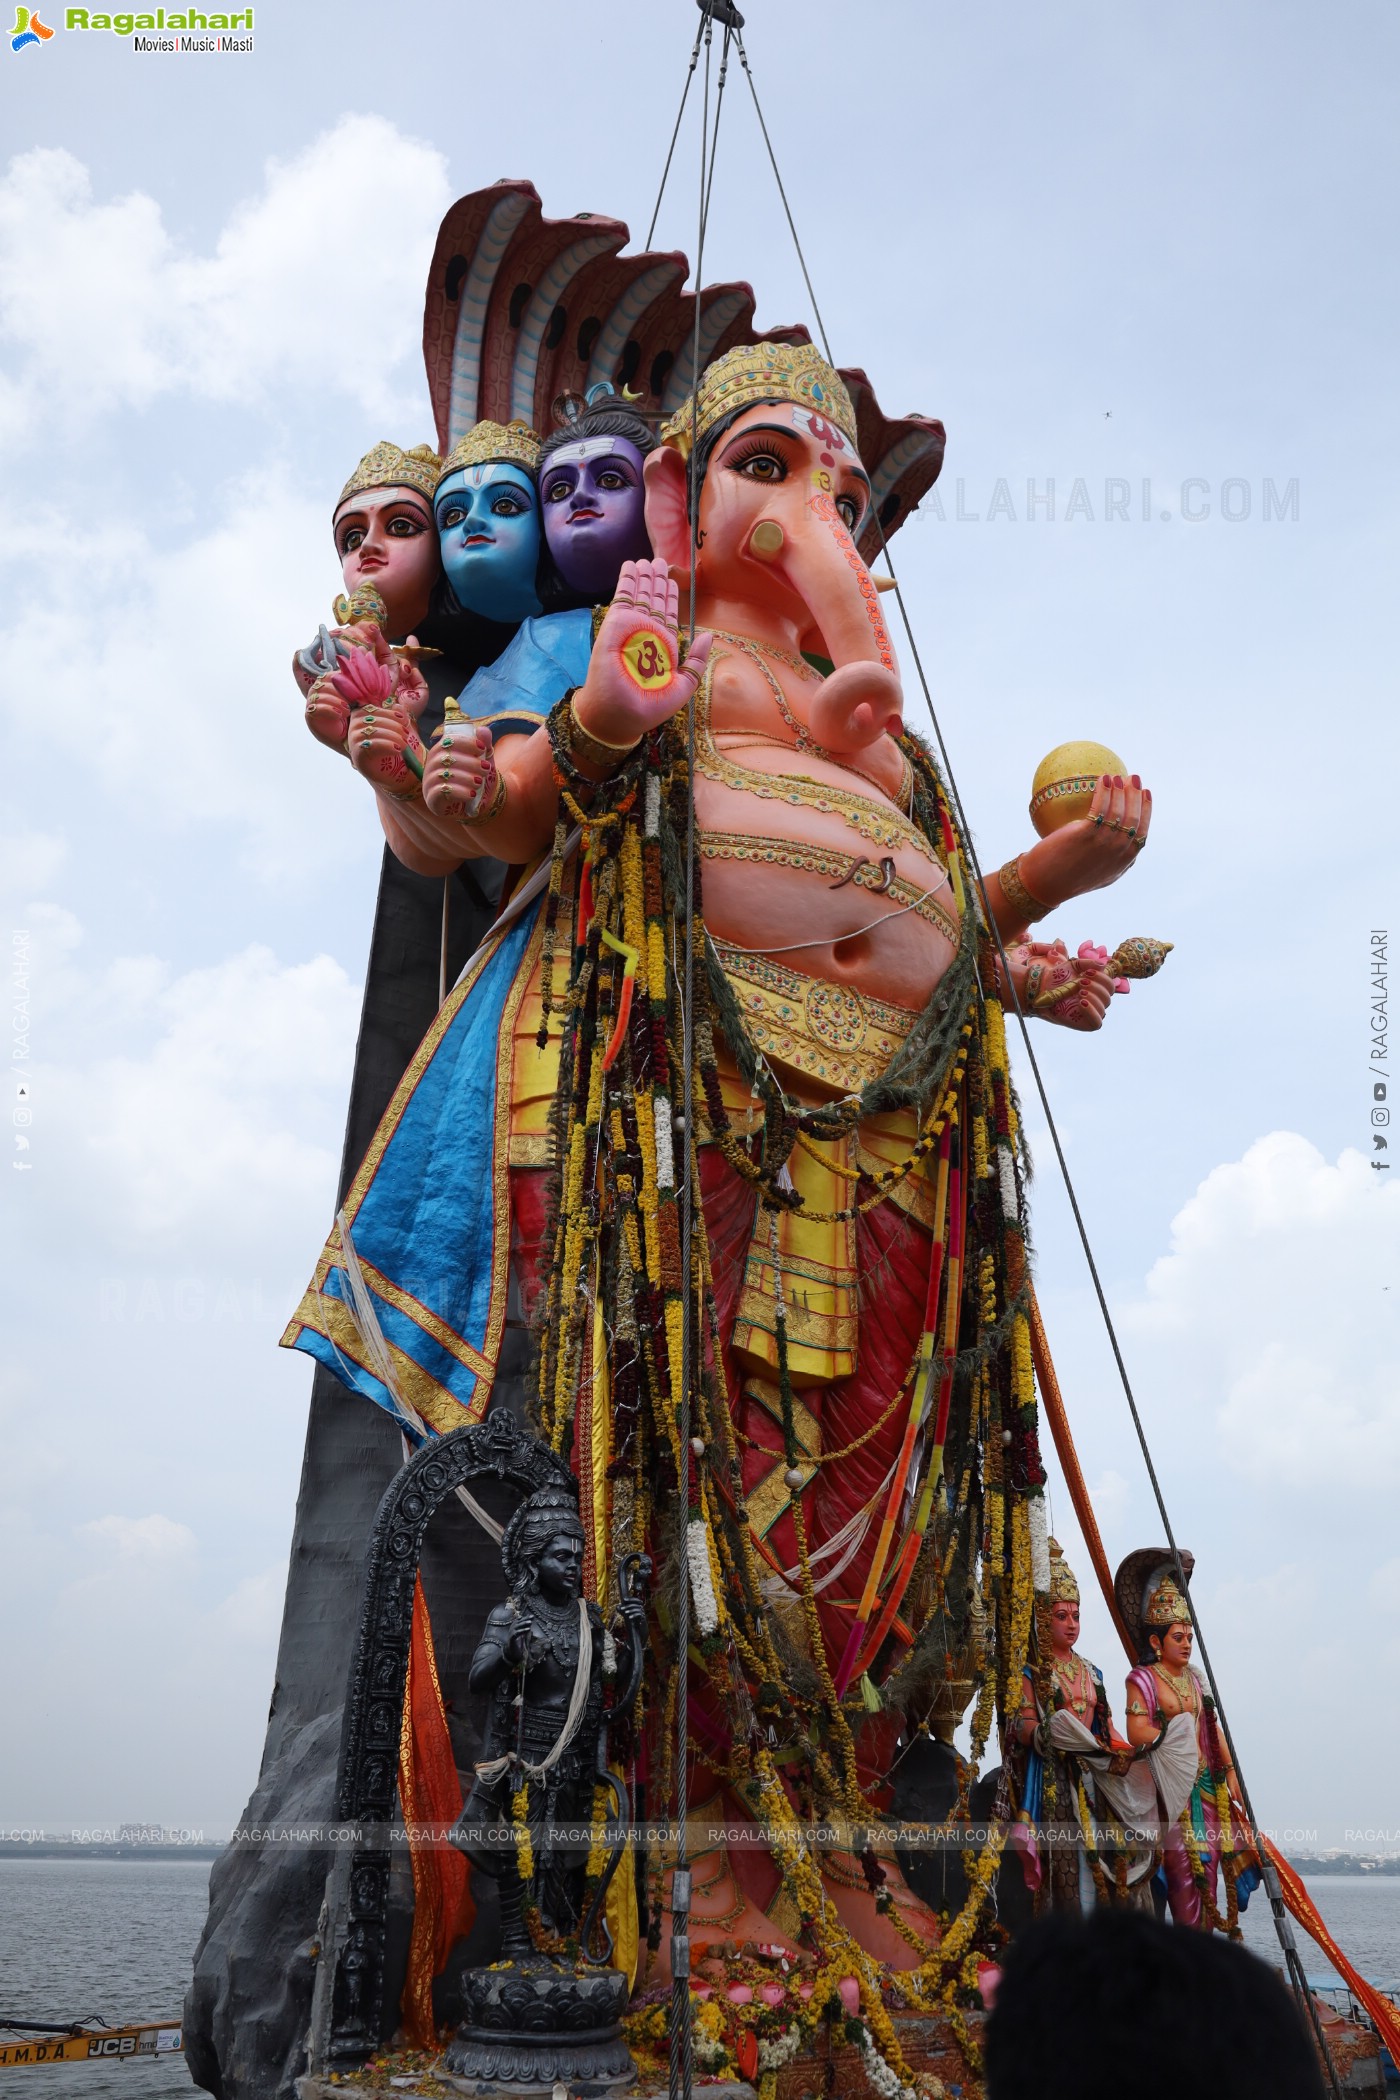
531	2018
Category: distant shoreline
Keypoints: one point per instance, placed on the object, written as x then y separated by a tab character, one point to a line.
54	1848
1359	1867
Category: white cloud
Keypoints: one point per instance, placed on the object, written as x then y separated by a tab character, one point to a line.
151	1539
213	1131
252	1612
104	308
199	721
1273	1326
1383	1590
29	862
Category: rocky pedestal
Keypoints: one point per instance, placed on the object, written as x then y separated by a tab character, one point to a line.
247	2013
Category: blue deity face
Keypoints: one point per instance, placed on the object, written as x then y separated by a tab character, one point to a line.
488	524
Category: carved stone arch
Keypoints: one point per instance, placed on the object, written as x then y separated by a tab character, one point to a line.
350	1983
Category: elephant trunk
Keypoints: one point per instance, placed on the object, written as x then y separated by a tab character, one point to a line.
863	697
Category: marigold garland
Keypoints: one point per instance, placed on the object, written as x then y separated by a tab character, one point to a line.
623	1153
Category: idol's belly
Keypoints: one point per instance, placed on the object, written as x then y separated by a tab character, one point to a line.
847	895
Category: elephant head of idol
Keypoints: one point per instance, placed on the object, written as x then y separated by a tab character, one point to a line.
759	482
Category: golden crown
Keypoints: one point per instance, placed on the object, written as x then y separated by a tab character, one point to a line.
489	444
1166	1606
761	372
386	466
1063	1587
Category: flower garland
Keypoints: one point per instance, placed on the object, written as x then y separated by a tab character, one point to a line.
623	1151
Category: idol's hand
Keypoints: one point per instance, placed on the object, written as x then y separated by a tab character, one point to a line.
1071	990
1093	851
327	714
635	678
459	778
410	686
379	732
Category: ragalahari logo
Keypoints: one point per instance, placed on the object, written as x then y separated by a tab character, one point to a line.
28	29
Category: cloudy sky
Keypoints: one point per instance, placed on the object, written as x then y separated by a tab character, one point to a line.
1105	243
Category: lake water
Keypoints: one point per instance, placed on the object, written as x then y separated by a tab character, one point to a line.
113	1938
116	1938
1362	1913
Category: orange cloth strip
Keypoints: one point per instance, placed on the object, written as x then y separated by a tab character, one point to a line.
1055	1415
1302	1907
429	1792
1299	1903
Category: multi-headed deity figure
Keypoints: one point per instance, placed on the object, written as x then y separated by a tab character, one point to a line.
862	1406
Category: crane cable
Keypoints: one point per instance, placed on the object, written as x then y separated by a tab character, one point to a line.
1282	1924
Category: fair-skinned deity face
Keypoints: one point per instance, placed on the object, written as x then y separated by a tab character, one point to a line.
559	1569
489	531
591	493
385	537
1064	1624
1175	1644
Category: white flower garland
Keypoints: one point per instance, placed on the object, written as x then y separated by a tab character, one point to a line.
665	1155
781	2050
702	1589
887	2083
709	2051
1040	1544
1006	1181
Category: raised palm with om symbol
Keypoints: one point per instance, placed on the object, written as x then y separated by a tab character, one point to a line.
636	678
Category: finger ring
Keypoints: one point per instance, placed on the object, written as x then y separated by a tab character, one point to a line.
1098	820
1132	831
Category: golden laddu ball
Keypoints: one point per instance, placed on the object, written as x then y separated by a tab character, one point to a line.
1065	781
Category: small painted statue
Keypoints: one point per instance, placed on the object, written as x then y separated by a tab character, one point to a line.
1199	1794
1060	1817
542	1661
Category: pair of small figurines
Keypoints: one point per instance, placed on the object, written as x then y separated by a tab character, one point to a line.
1085	1799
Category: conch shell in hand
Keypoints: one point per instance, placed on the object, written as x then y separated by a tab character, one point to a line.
1139	956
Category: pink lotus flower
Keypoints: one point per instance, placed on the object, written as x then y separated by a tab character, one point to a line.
360	679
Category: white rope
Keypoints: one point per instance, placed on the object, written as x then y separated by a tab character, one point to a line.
578	1699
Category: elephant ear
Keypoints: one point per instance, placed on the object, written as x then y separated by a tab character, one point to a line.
903	456
667	509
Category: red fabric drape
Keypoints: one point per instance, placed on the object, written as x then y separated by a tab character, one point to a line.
429	1793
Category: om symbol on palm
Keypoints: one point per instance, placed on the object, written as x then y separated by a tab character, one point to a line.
647	659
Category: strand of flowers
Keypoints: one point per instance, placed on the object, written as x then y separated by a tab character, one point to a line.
845	1743
804	1883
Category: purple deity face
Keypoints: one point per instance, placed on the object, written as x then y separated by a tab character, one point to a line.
591	495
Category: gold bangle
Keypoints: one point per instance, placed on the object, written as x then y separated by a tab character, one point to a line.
497	804
595	749
1017	895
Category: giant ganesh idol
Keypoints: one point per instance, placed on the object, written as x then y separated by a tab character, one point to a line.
866	1522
